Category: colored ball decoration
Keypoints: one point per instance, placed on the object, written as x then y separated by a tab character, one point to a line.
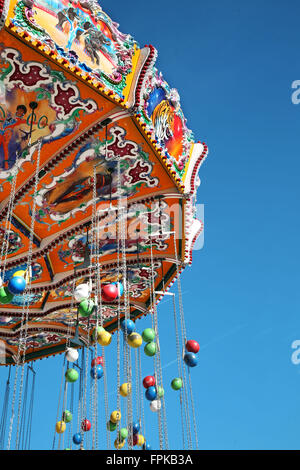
150	349
71	375
134	340
176	383
148	335
190	359
149	381
60	427
86	307
82	292
135	427
86	425
115	416
160	392
125	390
119	444
67	416
109	292
135	439
141	440
104	338
17	285
123	434
151	393
97	372
20	273
77	439
5	296
192	346
97	361
111	426
129	324
146	446
120	288
155	406
72	355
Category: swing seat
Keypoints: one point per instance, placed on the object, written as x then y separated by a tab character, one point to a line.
5	296
75	342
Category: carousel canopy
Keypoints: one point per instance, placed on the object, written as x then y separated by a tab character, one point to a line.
90	133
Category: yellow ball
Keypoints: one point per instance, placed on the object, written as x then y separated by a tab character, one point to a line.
104	338
119	445
135	340
125	389
60	427
19	273
141	440
115	416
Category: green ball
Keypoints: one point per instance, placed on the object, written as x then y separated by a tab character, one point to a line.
5	296
67	416
86	307
177	384
71	375
150	349
148	335
160	392
123	434
111	426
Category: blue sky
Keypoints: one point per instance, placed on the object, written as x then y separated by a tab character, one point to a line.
233	63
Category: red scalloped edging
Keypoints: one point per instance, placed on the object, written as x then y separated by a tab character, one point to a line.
189	257
196	168
149	61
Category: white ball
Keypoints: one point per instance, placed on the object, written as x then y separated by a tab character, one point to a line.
1	282
82	292
72	355
155	405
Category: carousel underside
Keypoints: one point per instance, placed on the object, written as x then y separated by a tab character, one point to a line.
96	167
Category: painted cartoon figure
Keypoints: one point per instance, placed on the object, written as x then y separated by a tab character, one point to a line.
10	135
94	41
67	15
77	188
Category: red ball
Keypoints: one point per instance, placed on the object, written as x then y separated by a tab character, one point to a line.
135	439
149	381
109	292
192	346
97	361
86	425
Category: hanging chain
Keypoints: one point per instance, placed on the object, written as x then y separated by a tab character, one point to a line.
183	339
25	310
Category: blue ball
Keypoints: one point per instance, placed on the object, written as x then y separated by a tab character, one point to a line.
17	285
135	428
190	359
77	439
147	446
130	326
120	288
97	372
151	393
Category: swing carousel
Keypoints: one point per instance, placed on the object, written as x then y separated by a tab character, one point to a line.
98	183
